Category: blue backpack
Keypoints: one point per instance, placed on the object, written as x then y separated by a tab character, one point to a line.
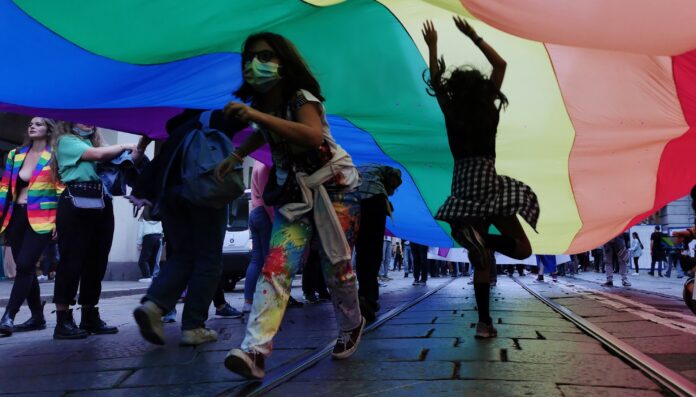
201	151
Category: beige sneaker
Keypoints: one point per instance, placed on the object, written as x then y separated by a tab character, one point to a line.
249	365
198	336
148	316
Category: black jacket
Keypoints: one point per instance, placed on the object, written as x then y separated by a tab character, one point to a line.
149	184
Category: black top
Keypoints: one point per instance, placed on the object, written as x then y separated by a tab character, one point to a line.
149	182
471	135
656	239
21	183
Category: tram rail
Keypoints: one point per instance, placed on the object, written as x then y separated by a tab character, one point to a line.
666	377
288	371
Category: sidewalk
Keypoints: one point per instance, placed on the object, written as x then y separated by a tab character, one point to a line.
110	289
668	286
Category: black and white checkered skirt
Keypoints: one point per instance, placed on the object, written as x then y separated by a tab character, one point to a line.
479	192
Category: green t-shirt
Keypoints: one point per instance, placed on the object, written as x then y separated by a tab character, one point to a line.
70	166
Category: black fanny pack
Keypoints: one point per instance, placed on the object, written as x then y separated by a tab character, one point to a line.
88	195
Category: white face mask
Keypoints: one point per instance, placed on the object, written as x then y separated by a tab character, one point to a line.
83	133
263	76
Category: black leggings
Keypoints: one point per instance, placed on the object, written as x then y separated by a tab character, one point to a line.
635	263
27	246
84	242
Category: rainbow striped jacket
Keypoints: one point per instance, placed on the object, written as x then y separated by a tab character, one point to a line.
43	195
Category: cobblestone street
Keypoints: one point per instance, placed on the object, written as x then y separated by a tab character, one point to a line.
427	349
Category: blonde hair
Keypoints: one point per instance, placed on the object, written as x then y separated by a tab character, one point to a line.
52	132
66	128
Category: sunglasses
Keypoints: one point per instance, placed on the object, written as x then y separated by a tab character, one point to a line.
263	56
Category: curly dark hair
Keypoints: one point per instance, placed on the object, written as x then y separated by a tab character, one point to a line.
295	72
467	96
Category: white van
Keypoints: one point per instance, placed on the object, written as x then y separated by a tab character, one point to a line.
236	249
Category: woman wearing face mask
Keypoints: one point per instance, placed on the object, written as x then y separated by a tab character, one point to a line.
287	112
85	226
28	197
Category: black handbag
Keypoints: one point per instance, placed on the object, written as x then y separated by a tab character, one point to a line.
277	195
86	195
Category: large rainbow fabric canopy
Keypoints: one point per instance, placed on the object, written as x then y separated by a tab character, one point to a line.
602	97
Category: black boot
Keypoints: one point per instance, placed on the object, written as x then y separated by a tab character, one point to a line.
36	321
66	327
92	323
7	324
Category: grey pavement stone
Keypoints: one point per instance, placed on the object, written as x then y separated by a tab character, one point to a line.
197	390
417	388
85	365
466	353
401	331
561	346
574	390
426	343
566	336
690	374
678	362
638	329
468	330
586	375
97	380
207	367
620	317
398	354
682	344
366	371
563	358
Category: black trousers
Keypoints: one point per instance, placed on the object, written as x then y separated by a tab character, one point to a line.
84	242
420	262
219	297
26	246
312	276
148	253
368	246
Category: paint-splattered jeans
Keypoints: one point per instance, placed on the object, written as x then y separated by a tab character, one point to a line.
288	243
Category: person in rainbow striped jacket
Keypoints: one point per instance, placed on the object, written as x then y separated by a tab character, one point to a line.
28	201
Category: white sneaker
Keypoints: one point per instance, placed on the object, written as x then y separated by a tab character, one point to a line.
198	336
145	280
636	274
246	308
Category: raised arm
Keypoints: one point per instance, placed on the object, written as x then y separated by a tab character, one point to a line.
499	64
435	64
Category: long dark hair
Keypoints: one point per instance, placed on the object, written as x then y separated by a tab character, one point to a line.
295	72
468	97
638	238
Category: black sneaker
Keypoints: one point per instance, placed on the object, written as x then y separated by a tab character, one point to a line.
249	365
228	311
292	302
608	284
474	243
347	342
311	298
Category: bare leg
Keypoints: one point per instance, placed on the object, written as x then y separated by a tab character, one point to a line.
517	245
